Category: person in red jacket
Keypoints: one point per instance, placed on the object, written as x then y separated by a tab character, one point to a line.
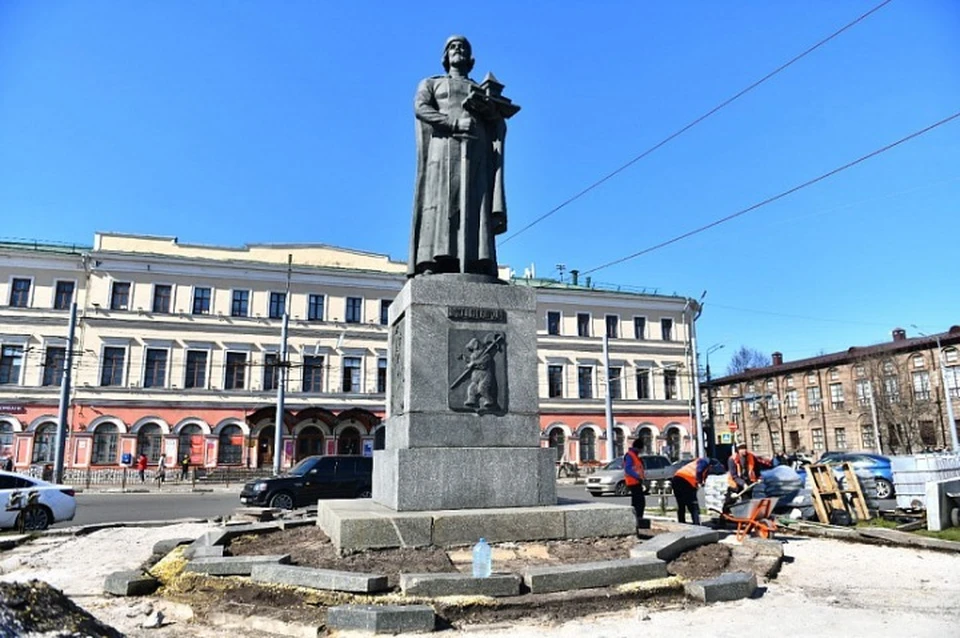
685	484
634	476
744	470
142	466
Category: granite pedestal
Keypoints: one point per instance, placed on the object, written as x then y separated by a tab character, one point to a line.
463	426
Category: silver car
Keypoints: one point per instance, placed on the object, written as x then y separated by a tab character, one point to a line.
610	479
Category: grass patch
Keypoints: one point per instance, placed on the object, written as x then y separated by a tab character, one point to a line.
878	522
949	534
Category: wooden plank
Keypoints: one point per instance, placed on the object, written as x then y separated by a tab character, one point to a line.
908	539
853	488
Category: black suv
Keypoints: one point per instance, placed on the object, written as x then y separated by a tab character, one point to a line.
312	479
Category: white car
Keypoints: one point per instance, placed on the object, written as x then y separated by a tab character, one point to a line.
32	504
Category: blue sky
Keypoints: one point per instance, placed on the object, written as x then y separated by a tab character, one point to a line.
244	122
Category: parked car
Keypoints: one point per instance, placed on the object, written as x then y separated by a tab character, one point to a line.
31	504
610	479
312	479
877	465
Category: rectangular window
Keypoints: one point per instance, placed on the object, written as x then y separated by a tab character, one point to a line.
840	435
155	368
236	371
196	376
385	311
794	440
201	301
20	293
553	323
313	374
354	310
278	304
111	372
921	385
669	384
817	434
554	381
63	296
718	408
120	296
613	326
836	396
863	392
891	389
11	362
868	438
162	295
53	361
315	308
813	399
240	304
271	371
640	327
382	374
753	405
775	439
754	441
666	329
583	324
616	391
953	381
585	382
736	408
643	383
351	374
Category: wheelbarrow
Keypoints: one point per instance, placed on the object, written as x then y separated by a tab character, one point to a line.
754	516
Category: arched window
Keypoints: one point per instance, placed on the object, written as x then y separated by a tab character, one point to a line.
230	450
190	442
557	441
44	442
617	443
149	438
349	441
105	439
6	438
309	442
588	445
673	444
646	440
265	446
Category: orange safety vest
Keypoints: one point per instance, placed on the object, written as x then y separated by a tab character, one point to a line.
637	463
689	473
751	470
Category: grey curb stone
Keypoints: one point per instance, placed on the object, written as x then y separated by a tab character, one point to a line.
670	545
319	578
164	547
386	619
130	583
729	586
204	551
233	565
434	585
597	574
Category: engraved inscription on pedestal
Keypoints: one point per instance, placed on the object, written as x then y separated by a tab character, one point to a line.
478	371
397	377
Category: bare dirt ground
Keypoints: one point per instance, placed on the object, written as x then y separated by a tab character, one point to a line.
829	588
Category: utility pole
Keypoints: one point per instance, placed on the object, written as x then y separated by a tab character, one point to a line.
711	442
696	306
62	425
282	377
608	403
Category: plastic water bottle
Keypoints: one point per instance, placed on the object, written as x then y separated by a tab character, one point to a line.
481	559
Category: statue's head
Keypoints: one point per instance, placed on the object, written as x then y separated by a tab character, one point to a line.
459	45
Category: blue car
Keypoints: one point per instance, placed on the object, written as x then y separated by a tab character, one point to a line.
877	465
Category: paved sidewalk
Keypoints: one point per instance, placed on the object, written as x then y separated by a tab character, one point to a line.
174	487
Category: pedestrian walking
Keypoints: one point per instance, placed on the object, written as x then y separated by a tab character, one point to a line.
634	475
161	469
142	467
185	467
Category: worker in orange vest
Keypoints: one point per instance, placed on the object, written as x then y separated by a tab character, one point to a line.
685	484
634	475
744	470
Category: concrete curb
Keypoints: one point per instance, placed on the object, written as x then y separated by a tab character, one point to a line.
82	530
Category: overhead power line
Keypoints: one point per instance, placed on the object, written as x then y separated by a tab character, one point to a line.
689	126
770	200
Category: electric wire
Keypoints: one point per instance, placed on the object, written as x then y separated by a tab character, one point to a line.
777	197
698	120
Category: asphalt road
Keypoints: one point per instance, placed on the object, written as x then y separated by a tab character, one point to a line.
130	507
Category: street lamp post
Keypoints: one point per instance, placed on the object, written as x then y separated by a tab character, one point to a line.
946	391
711	442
